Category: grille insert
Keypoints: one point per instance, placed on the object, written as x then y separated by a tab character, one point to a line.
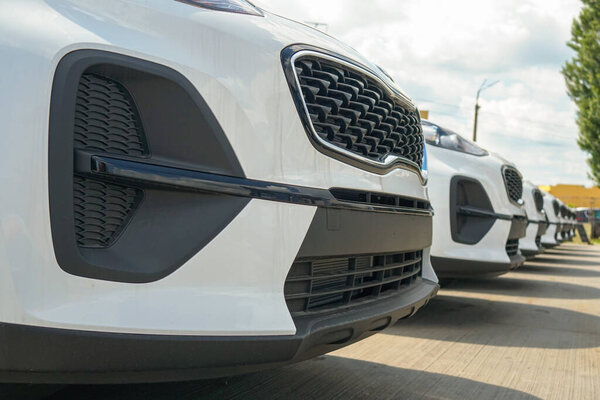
326	284
106	118
350	110
379	199
514	184
106	122
102	210
512	247
538	198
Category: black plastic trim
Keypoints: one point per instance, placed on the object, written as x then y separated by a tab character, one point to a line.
542	228
530	254
47	355
477	212
177	178
350	232
518	227
165	230
457	268
471	212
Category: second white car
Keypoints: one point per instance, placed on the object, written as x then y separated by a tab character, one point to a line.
479	215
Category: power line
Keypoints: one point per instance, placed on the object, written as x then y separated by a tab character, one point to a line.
538	128
545	123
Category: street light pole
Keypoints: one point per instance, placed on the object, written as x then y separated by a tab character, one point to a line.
477	107
484	85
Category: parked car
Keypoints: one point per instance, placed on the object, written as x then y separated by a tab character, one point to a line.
584	215
197	189
531	244
479	214
570	228
552	208
564	221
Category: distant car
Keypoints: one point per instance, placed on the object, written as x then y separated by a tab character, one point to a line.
570	223
478	201
531	244
551	238
570	232
194	189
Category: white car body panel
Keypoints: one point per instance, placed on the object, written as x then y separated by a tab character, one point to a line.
198	43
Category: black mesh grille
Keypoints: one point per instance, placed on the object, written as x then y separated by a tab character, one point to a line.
514	183
352	111
106	119
328	283
101	211
512	247
538	198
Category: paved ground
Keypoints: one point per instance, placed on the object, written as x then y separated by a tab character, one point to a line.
534	333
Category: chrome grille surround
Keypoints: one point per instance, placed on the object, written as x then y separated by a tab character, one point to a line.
386	163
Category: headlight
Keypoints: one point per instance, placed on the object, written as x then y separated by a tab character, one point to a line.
437	136
234	6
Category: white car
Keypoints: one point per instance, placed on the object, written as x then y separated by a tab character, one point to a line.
531	244
550	239
198	188
479	214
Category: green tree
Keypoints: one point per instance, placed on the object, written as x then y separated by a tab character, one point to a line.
582	75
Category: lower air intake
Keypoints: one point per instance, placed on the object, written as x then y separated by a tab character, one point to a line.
102	211
326	284
538	199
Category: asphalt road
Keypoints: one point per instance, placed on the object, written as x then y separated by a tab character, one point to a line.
534	333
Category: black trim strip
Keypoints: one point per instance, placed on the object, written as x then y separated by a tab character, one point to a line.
534	221
175	178
478	212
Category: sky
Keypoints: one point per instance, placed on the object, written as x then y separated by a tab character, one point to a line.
439	52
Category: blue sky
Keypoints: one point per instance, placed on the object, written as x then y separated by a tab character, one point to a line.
439	52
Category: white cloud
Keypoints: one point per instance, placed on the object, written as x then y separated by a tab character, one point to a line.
441	51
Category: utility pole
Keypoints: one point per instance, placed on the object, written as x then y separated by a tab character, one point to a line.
477	107
484	85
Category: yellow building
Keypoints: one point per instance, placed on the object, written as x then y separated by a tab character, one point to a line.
575	195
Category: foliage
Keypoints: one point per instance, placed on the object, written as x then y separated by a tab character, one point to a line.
582	76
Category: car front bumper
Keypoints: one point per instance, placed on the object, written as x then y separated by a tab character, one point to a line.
449	267
47	355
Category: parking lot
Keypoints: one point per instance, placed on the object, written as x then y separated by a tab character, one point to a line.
533	333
